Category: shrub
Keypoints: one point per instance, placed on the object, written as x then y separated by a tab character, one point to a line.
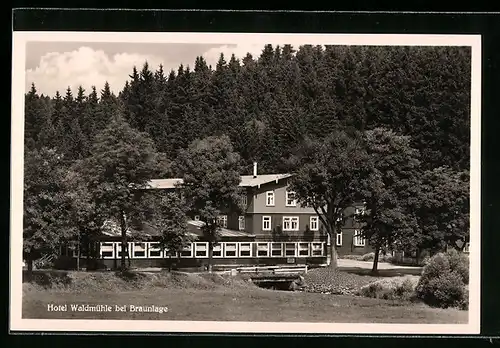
385	258
352	257
444	281
368	257
426	260
459	263
399	288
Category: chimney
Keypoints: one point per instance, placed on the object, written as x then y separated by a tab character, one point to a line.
254	169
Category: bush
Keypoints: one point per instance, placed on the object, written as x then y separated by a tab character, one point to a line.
400	288
385	258
368	257
352	257
459	263
444	281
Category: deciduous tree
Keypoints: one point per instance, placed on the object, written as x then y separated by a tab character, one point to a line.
390	191
210	170
327	177
46	218
122	161
170	219
443	213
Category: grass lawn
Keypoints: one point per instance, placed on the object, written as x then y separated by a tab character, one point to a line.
237	304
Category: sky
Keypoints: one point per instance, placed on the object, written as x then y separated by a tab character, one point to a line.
55	66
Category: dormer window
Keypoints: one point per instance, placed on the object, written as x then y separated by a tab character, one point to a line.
358	212
222	221
291	201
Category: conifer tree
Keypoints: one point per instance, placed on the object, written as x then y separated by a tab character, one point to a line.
33	117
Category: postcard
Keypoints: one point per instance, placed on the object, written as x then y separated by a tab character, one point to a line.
245	183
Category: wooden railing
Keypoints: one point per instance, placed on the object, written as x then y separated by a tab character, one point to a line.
273	269
44	261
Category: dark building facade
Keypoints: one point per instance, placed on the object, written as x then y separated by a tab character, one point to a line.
273	230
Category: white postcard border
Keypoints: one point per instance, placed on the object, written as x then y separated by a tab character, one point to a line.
17	323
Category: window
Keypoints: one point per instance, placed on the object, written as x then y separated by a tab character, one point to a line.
290	223
243	199
263	249
276	249
139	250
270	198
169	254
266	223
303	249
466	247
358	212
241	223
119	249
339	239
290	249
245	249
107	250
196	218
217	250
317	249
73	250
359	240
313	223
230	250
290	199
187	251
339	219
154	251
83	251
222	221
201	249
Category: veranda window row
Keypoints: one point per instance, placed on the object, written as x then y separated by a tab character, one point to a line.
112	250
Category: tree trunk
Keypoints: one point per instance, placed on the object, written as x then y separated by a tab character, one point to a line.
128	256
29	261
375	260
78	252
417	256
90	251
123	226
333	253
210	256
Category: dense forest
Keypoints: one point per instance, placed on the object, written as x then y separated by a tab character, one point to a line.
386	125
267	105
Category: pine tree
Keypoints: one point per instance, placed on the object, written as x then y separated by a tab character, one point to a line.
74	142
107	107
33	117
89	117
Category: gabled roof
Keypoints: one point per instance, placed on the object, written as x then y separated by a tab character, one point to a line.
246	181
224	232
111	229
251	181
164	183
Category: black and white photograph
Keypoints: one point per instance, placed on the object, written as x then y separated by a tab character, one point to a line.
210	182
